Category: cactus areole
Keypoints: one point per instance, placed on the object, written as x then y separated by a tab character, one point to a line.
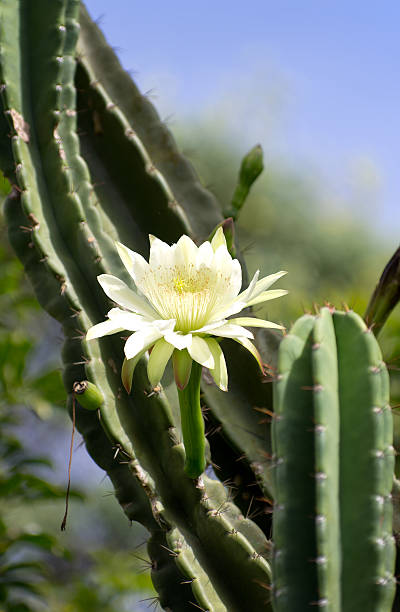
184	297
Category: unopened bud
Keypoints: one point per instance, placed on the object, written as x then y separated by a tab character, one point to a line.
251	167
88	395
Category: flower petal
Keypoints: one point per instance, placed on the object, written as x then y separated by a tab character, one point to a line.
272	294
119	292
236	279
105	328
178	340
266	282
200	352
222	262
186	251
218	239
182	364
252	349
219	371
141	340
231	331
158	360
254	322
204	255
160	252
136	265
127	320
206	328
247	293
229	309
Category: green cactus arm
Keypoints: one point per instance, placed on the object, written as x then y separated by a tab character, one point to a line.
178	584
104	129
63	260
60	300
326	469
96	55
294	538
365	488
334	469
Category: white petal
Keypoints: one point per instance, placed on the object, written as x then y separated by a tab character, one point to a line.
236	279
119	292
267	295
231	331
222	261
158	360
206	328
160	253
219	372
230	309
103	329
164	324
136	265
138	341
254	322
266	282
247	293
205	255
178	340
218	239
127	320
252	349
186	251
200	352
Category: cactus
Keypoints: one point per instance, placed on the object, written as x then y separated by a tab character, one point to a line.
332	435
71	198
91	163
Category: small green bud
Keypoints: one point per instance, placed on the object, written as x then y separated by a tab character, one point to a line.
87	394
251	167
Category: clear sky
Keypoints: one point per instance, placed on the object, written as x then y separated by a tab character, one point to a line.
315	81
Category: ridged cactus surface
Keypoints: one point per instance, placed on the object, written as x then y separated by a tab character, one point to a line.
82	178
332	435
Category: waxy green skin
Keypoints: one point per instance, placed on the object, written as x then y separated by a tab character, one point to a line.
332	439
84	177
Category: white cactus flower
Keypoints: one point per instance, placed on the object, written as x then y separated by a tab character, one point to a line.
185	296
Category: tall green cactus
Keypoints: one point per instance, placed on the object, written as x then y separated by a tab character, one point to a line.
333	543
72	197
90	163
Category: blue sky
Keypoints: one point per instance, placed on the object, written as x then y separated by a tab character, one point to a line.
317	83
